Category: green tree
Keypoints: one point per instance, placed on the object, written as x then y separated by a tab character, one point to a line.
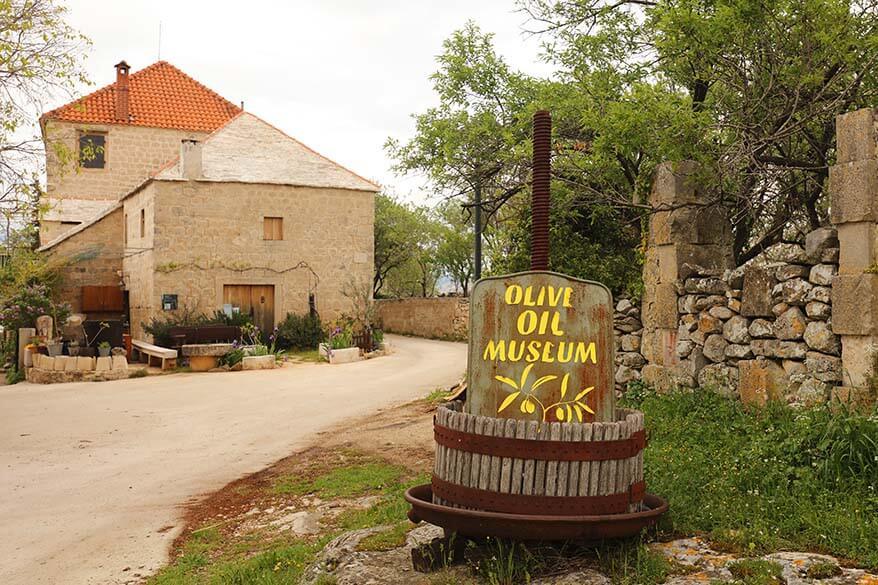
40	56
454	252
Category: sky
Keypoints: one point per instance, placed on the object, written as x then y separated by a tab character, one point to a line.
340	75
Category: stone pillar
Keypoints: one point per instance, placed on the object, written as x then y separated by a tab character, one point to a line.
25	334
683	230
853	186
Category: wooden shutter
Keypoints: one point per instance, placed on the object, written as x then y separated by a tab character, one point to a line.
102	299
273	228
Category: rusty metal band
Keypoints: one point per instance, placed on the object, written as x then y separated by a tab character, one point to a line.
540	450
489	501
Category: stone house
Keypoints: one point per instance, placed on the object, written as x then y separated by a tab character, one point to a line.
179	200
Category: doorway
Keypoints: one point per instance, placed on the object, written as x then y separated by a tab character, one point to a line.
256	300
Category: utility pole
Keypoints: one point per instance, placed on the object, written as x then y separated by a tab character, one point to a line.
477	229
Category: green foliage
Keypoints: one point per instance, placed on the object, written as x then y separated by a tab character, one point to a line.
344	482
235	319
159	326
14	376
506	562
341	336
389	539
300	332
631	562
758	480
22	307
138	373
756	572
454	252
823	570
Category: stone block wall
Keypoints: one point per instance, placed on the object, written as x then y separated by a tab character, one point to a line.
434	318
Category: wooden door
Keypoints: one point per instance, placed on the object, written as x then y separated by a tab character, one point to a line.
256	300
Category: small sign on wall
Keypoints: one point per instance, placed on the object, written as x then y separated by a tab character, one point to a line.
169	302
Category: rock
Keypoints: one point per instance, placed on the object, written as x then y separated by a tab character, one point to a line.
819	336
761	328
715	348
686	304
632	359
684	348
736	351
779	349
818	310
818	241
825	368
790	325
119	362
779	309
683	333
60	364
787	253
822	294
705	303
690	322
579	577
735	305
85	364
788	271
698	337
628	324
735	277
624	374
812	392
720	378
830	256
756	299
707	323
760	380
793	367
821	274
714	286
793	291
103	364
630	343
623	305
735	329
721	312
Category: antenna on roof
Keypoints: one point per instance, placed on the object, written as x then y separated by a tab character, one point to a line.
160	41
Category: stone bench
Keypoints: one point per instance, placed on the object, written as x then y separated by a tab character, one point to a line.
168	357
204	356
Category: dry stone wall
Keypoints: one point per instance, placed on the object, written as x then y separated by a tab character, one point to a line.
435	318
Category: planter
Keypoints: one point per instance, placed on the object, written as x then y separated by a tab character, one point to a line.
87	352
340	356
104	351
55	348
73	350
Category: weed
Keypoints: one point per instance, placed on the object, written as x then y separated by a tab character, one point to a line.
438	395
633	563
389	539
138	373
343	482
823	570
14	376
325	579
756	572
505	562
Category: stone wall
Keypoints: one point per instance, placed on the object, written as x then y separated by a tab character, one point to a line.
434	318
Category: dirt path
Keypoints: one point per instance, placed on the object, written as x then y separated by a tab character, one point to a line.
94	474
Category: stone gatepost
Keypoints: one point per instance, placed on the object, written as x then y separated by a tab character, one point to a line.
853	186
684	229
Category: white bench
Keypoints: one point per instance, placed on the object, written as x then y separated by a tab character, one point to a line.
154	351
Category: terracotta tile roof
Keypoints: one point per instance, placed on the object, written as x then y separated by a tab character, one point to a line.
160	96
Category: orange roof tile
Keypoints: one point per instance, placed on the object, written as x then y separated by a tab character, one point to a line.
160	96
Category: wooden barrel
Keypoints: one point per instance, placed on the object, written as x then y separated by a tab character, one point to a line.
524	467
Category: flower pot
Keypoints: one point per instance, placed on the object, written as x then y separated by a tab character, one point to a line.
55	348
104	351
73	350
87	351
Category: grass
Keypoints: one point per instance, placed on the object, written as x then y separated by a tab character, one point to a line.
633	563
389	539
138	373
767	479
438	395
306	355
756	572
823	570
343	482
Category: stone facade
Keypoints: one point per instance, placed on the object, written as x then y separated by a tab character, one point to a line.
132	153
96	256
434	318
201	235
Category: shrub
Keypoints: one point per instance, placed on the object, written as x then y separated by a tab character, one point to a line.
158	326
235	319
22	308
300	332
232	357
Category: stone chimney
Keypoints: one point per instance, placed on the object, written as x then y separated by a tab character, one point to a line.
190	159
122	113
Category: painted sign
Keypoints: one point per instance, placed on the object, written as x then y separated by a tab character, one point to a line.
541	348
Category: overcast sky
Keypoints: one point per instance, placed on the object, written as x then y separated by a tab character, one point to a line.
339	75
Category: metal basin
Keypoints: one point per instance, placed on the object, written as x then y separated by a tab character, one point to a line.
476	523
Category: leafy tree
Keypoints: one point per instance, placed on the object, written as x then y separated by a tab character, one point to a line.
454	253
40	56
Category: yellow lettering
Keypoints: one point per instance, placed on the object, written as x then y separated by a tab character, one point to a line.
556	324
547	353
527	322
562	356
583	353
528	297
513	294
554	296
533	351
495	351
567	293
515	357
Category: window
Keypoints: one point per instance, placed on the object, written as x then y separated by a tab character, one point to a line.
142	223
70	223
92	150
273	228
125	229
